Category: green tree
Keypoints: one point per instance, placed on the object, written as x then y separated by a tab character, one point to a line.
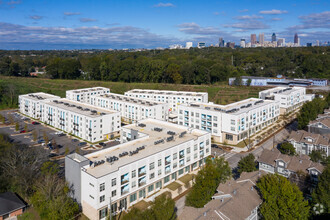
247	164
317	156
238	81
321	194
16	126
26	127
287	148
207	180
67	151
281	199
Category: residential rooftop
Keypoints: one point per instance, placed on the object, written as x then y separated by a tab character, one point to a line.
87	89
167	92
80	108
40	96
282	90
155	137
302	136
234	108
128	99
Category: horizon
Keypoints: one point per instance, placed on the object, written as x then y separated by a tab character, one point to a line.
79	25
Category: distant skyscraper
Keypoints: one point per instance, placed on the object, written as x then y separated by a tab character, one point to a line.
309	44
242	43
221	42
274	37
295	40
281	42
317	43
261	39
201	44
189	45
253	39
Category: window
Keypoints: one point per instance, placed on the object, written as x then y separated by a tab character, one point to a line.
159	172
142	193
102	187
188	150
195	155
215	118
151	188
180	171
232	128
175	155
152	166
175	165
152	175
229	137
133	173
159	162
166	179
103	213
132	198
113	182
232	122
159	184
195	147
133	184
102	198
113	193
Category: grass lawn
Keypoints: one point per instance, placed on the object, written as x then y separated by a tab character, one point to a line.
142	205
218	93
173	186
186	178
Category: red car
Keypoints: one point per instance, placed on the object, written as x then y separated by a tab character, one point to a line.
22	131
35	123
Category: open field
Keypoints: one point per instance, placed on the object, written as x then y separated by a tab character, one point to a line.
220	94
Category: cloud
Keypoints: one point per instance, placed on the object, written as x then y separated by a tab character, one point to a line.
306	36
85	20
276	19
244	10
248	25
71	13
163	5
249	17
36	17
100	37
315	20
273	12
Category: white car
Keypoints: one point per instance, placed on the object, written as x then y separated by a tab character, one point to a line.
59	132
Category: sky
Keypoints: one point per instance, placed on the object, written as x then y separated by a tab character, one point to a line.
118	24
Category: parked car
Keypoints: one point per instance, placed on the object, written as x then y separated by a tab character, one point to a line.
214	146
22	131
35	123
102	144
61	135
74	140
52	155
117	139
59	132
59	146
82	144
41	141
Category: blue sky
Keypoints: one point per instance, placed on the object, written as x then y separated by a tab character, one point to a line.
73	24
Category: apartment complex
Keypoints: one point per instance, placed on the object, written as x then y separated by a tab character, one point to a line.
305	142
84	95
82	120
30	104
230	123
173	98
132	109
289	98
153	154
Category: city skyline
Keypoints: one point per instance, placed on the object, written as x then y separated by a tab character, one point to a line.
140	24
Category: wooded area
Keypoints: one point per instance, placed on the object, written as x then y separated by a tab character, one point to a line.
193	66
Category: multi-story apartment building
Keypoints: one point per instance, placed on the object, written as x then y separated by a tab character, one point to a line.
84	95
230	123
153	154
289	98
173	98
305	142
29	104
82	120
132	109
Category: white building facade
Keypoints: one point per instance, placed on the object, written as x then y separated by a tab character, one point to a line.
158	153
230	123
173	98
132	109
82	120
30	104
84	95
289	98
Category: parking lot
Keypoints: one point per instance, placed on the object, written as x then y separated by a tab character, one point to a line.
36	134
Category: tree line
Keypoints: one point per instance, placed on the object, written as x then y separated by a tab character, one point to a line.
193	66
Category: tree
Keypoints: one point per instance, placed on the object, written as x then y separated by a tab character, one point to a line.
16	126
34	135
67	151
207	180
26	127
287	148
281	199
248	83
238	81
247	164
321	194
45	136
11	119
317	156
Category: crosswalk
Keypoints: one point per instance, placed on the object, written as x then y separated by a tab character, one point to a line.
227	155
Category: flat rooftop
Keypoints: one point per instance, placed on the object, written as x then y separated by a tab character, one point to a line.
167	92
128	99
87	89
282	90
148	141
40	96
80	108
234	108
